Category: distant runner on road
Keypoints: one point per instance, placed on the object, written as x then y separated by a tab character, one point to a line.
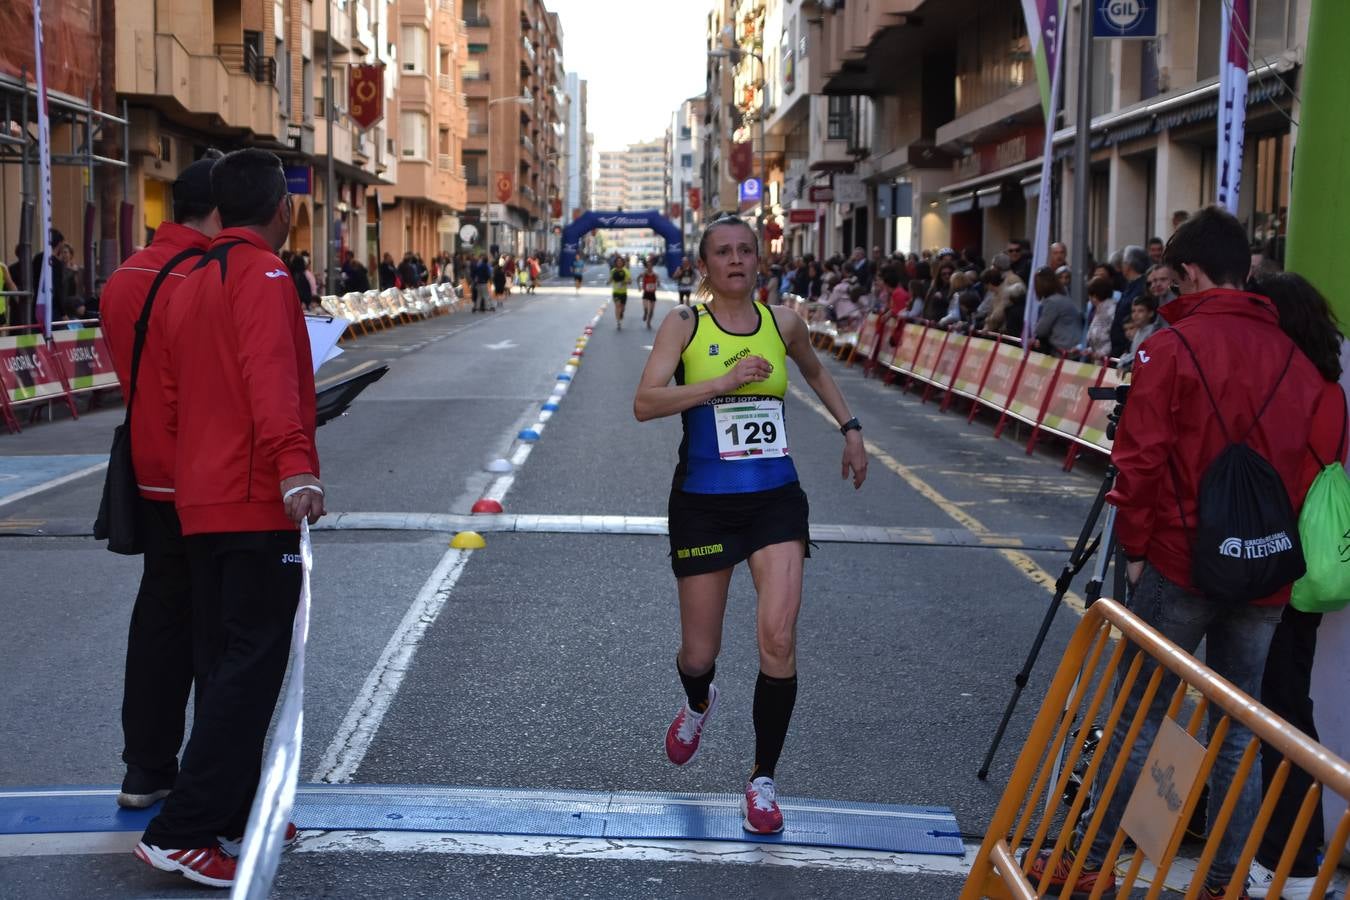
578	269
650	282
685	276
735	495
619	279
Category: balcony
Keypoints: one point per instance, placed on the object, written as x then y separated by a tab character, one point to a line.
342	26
480	75
477	22
243	59
529	48
527	143
242	96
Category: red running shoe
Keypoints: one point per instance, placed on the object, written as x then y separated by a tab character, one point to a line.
232	846
686	731
1058	887
762	815
204	865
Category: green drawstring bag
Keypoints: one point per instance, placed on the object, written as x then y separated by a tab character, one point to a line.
1324	528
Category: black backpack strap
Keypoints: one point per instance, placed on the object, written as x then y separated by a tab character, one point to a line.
143	323
1210	394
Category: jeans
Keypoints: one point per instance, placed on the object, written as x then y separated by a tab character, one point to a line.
1237	640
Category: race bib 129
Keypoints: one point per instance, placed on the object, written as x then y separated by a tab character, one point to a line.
750	429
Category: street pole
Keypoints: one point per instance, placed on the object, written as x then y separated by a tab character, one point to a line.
1081	162
487	194
330	183
763	158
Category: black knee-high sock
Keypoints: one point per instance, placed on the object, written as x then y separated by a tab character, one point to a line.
696	687
772	711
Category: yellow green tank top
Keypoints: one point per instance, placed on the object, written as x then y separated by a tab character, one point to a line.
734	443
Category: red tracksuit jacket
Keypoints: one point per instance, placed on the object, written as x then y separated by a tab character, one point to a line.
240	387
152	443
1169	434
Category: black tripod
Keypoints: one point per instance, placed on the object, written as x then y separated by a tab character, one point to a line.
1082	552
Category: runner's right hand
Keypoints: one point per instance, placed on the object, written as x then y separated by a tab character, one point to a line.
751	368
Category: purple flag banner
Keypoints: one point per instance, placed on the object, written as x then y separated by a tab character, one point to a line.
1233	59
1045	27
1043	30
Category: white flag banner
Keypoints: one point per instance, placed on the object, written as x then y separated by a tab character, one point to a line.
44	285
1233	57
265	835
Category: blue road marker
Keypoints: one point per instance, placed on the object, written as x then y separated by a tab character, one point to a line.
620	815
564	377
528	434
550	407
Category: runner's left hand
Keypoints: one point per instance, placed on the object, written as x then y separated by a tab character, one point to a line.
855	459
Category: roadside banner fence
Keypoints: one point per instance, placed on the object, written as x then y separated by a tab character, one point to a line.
1049	789
1045	391
35	371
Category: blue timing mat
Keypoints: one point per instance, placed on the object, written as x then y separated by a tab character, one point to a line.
326	807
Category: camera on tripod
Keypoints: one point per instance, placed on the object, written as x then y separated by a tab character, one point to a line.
1118	394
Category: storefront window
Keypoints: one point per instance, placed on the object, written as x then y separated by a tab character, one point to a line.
1270	197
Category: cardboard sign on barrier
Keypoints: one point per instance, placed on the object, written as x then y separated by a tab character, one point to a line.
1038	379
971	372
1002	377
1093	432
84	359
1069	404
28	372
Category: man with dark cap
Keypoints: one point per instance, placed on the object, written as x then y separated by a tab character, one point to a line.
240	385
159	643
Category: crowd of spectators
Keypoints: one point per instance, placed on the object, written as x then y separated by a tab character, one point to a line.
958	290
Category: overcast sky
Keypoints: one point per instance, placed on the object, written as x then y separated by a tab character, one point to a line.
640	59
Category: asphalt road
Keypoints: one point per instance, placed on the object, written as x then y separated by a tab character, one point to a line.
550	664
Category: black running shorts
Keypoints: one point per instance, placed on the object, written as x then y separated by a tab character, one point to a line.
710	532
649	295
621	299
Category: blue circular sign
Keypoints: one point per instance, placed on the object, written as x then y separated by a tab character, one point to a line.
1122	15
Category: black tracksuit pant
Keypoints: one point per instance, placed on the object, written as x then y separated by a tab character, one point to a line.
159	648
245	590
1285	690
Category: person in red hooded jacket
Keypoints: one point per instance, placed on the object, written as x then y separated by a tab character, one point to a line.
239	385
1168	436
158	676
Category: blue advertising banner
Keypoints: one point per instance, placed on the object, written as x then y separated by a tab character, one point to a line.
1136	19
299	179
750	190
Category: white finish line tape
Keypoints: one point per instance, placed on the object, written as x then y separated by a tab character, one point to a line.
265	834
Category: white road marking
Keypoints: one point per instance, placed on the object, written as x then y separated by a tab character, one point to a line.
733	852
348	373
507	344
55	482
363	719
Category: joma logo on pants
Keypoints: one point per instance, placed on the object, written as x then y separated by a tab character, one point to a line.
290	559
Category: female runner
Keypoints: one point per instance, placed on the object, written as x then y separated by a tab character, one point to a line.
735	495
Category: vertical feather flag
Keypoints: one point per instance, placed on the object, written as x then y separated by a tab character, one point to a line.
1045	28
1233	55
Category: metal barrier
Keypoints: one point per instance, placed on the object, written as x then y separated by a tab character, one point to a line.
1031	802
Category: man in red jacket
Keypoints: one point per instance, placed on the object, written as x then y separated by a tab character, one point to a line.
159	641
240	389
1169	434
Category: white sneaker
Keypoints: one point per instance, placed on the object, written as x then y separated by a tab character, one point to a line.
1260	879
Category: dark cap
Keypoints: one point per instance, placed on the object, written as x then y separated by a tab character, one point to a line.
192	189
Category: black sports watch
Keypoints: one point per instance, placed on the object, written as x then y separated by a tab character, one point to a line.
851	425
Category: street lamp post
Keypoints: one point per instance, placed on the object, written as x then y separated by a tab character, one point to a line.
734	54
487	193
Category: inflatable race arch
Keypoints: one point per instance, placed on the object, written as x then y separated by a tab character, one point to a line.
650	218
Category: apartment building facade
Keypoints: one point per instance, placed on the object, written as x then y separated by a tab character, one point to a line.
420	212
940	111
515	155
685	143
